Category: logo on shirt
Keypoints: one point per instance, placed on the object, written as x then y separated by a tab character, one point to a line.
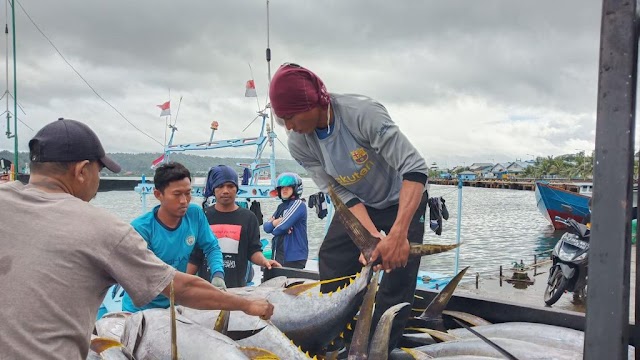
356	176
360	156
190	240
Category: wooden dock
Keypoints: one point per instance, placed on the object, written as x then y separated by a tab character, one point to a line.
515	184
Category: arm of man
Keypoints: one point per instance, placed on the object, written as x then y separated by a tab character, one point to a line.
194	292
385	136
254	250
195	260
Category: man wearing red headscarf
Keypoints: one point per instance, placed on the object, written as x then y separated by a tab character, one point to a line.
350	142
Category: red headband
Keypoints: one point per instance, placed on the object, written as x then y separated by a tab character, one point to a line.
295	89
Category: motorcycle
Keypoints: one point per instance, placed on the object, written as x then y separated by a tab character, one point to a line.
570	263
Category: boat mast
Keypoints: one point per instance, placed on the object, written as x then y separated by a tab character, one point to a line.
6	92
15	90
15	93
271	131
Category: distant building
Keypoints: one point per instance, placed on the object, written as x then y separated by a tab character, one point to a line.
517	167
444	175
467	175
479	166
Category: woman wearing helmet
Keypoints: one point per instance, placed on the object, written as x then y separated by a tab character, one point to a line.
289	223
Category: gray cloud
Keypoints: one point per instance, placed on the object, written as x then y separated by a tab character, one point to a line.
455	75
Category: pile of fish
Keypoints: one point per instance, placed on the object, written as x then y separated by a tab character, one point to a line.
305	322
317	319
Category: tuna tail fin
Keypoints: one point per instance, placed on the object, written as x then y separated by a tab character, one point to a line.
360	340
437	335
502	351
417	355
257	353
360	236
430	249
222	323
466	317
380	342
433	312
367	242
99	345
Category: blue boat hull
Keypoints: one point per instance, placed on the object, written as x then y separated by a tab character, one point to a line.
553	201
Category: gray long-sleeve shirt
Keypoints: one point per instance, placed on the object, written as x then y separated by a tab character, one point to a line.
365	155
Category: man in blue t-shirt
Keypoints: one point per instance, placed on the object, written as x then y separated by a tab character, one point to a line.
174	227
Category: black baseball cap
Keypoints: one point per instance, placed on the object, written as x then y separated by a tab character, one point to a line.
68	140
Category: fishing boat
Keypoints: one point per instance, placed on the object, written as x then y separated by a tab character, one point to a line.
554	201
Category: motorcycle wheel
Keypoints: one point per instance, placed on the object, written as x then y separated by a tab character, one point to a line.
554	291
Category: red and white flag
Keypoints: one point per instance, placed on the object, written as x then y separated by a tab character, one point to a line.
166	108
157	161
250	90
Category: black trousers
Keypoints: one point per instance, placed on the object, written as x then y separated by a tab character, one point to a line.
338	257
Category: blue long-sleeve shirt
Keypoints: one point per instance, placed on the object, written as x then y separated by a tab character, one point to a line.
174	246
292	230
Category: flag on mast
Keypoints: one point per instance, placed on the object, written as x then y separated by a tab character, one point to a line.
157	161
250	90
166	108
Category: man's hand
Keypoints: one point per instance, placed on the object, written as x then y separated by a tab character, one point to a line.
277	221
218	282
261	308
394	250
271	263
364	261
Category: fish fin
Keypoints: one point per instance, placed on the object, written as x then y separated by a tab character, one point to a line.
430	249
258	353
466	317
243	334
356	231
417	355
222	323
380	340
101	344
439	303
359	347
438	335
296	290
502	351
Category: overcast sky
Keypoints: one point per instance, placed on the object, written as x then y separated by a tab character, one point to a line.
467	81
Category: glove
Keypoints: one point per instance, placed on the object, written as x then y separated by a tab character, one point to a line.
218	282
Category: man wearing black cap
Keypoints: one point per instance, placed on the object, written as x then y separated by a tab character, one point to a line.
59	254
236	228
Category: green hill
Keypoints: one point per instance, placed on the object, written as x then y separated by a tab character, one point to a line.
138	164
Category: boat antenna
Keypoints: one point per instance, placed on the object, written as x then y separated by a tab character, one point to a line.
167	123
268	56
6	33
175	120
